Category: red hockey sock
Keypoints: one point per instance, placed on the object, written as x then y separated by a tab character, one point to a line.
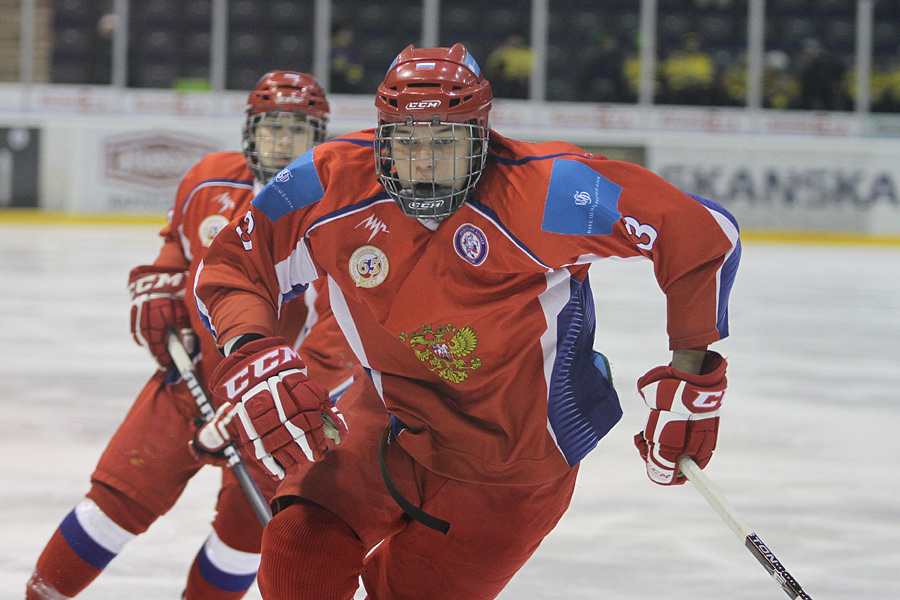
308	552
198	588
220	572
59	570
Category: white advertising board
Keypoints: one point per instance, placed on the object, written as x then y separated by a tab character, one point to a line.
784	183
126	165
108	150
139	170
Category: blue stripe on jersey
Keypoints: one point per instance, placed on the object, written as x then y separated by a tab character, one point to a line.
715	206
245	183
729	268
293	188
207	324
83	544
501	160
354	141
582	405
355	207
489	214
221	579
297	290
580	201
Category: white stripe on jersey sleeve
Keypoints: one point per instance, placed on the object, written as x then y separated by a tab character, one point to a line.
296	271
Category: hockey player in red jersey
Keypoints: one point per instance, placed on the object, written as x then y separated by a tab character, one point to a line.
458	270
149	461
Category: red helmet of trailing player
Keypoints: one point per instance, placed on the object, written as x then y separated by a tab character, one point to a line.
286	114
431	142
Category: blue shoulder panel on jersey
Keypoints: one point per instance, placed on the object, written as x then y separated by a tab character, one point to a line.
580	201
294	187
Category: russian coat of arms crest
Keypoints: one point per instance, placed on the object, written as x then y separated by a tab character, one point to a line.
446	350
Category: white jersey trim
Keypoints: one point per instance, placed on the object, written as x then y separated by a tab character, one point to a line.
553	300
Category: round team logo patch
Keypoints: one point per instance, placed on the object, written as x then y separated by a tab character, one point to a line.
368	266
471	244
210	227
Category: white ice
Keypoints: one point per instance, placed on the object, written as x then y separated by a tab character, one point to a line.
808	449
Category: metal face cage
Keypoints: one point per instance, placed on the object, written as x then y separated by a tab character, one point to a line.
272	140
430	169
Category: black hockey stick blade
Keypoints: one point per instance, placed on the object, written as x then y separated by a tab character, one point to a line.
769	561
741	529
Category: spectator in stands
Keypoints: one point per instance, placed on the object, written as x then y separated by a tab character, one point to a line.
688	74
346	70
781	89
601	76
820	79
631	70
101	49
509	68
884	84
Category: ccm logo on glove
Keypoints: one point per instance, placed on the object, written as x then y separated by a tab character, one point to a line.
260	367
157	305
159	281
708	400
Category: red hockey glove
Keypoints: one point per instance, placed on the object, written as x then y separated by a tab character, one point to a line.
684	417
157	305
286	416
211	438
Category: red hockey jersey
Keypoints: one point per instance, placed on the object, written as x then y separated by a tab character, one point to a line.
477	330
211	194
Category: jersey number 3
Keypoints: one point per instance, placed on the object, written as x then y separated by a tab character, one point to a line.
645	233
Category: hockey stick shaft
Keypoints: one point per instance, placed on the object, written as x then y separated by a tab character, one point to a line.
741	529
186	367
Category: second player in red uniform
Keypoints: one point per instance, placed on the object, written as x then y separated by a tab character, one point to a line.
149	461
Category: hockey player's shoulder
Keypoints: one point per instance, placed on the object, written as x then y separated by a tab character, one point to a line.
527	163
225	166
350	150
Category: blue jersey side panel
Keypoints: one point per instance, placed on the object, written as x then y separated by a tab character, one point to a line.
583	405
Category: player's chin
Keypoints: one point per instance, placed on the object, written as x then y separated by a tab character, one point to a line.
277	165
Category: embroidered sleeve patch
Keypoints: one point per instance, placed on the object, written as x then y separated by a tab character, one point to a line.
580	201
296	186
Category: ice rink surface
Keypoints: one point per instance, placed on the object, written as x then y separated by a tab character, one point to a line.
809	446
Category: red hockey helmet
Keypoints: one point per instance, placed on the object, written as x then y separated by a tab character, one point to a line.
424	83
286	114
430	97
